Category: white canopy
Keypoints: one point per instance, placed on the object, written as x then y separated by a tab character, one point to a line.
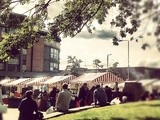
59	79
146	82
37	81
18	81
105	77
5	81
121	85
156	84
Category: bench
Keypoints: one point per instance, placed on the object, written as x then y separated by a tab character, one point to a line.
72	110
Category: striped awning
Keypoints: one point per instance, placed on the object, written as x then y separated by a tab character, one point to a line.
6	81
147	82
20	81
59	79
37	81
105	77
156	83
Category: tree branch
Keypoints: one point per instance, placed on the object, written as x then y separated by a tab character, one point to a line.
90	17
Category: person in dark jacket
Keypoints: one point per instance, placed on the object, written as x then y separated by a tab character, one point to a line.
100	97
83	94
27	107
108	92
89	98
52	96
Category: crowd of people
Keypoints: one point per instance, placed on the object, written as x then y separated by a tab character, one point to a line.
97	95
62	100
32	113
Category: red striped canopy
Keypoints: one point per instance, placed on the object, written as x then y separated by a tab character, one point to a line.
156	84
5	81
37	81
59	79
105	77
20	81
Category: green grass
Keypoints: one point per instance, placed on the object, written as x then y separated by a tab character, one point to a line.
148	110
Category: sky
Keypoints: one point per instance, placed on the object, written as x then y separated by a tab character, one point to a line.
87	47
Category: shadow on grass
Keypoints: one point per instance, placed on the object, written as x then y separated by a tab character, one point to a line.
114	118
154	105
118	118
151	105
148	118
96	118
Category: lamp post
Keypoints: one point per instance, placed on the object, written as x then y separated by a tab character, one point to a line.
128	58
108	59
128	63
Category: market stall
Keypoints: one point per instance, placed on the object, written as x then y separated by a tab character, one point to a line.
5	81
19	81
156	87
148	84
58	80
156	84
16	91
97	78
51	82
37	81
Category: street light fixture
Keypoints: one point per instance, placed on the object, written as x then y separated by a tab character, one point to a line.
108	59
128	58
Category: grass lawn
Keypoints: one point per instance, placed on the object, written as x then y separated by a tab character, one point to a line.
147	110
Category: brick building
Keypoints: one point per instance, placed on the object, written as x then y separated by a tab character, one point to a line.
40	60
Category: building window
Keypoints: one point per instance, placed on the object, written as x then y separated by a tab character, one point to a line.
14	61
12	67
51	59
24	59
24	51
53	66
54	54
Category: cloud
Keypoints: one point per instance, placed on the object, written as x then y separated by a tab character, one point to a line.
150	63
55	9
99	34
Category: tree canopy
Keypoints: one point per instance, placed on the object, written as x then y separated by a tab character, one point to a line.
76	15
96	64
73	65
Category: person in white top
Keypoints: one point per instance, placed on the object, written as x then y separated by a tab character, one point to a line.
63	100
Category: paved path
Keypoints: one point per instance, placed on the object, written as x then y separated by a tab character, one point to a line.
12	113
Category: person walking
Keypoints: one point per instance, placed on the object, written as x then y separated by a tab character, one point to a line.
63	99
27	107
100	97
52	96
108	92
83	94
89	98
